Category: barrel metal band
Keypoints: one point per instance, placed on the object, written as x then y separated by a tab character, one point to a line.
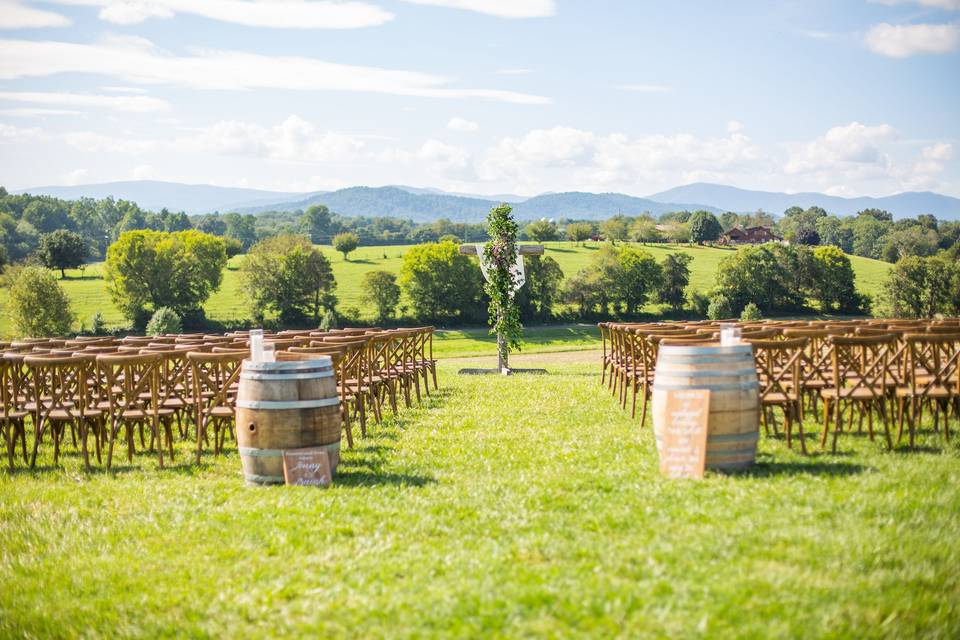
708	374
736	386
252	452
679	350
287	404
254	478
323	373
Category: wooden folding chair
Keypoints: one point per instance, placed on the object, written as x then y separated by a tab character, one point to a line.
778	369
860	376
933	362
13	416
132	385
215	377
60	398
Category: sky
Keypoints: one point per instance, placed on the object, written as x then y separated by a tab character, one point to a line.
846	97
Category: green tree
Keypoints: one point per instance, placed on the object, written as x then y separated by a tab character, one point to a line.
644	229
47	215
146	270
346	242
834	285
704	227
212	224
869	234
615	228
833	231
541	291
242	228
287	275
37	304
770	275
317	222
729	220
915	240
921	287
441	283
383	292
62	250
676	277
579	231
542	230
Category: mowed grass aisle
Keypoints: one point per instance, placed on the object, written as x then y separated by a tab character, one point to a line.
502	507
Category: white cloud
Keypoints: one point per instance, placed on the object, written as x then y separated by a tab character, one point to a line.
137	104
941	151
460	124
840	147
499	8
138	61
9	133
443	158
948	5
38	112
77	176
285	14
92	142
903	41
14	15
124	89
734	126
143	172
644	88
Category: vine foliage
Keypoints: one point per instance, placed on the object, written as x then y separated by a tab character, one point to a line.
500	256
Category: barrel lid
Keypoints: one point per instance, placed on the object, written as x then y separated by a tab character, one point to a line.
290	365
680	350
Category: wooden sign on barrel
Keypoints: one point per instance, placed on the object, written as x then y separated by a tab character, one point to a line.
307	467
683	450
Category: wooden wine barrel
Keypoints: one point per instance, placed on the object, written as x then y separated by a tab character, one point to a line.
731	376
285	405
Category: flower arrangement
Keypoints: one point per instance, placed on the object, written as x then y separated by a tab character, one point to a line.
500	255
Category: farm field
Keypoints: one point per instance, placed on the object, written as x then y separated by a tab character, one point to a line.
89	294
522	506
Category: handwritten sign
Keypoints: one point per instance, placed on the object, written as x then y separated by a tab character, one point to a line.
307	467
684	438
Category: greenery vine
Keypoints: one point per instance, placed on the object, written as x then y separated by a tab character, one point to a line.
500	254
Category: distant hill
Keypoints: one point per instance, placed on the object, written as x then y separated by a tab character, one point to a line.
155	195
901	205
426	205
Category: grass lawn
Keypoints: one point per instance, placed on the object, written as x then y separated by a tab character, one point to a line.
89	293
523	506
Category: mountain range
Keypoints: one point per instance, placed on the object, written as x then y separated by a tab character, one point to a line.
425	204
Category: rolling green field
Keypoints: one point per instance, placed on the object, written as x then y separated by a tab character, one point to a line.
501	507
88	291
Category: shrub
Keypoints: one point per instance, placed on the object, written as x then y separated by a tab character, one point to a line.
346	242
622	276
750	313
700	303
38	306
719	308
381	290
328	321
164	320
833	284
147	270
98	326
441	283
289	276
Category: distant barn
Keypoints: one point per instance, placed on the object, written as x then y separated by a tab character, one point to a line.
750	235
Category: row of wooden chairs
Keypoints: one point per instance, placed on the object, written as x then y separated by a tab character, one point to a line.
892	371
105	389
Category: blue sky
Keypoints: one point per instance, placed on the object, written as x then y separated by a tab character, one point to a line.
850	97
